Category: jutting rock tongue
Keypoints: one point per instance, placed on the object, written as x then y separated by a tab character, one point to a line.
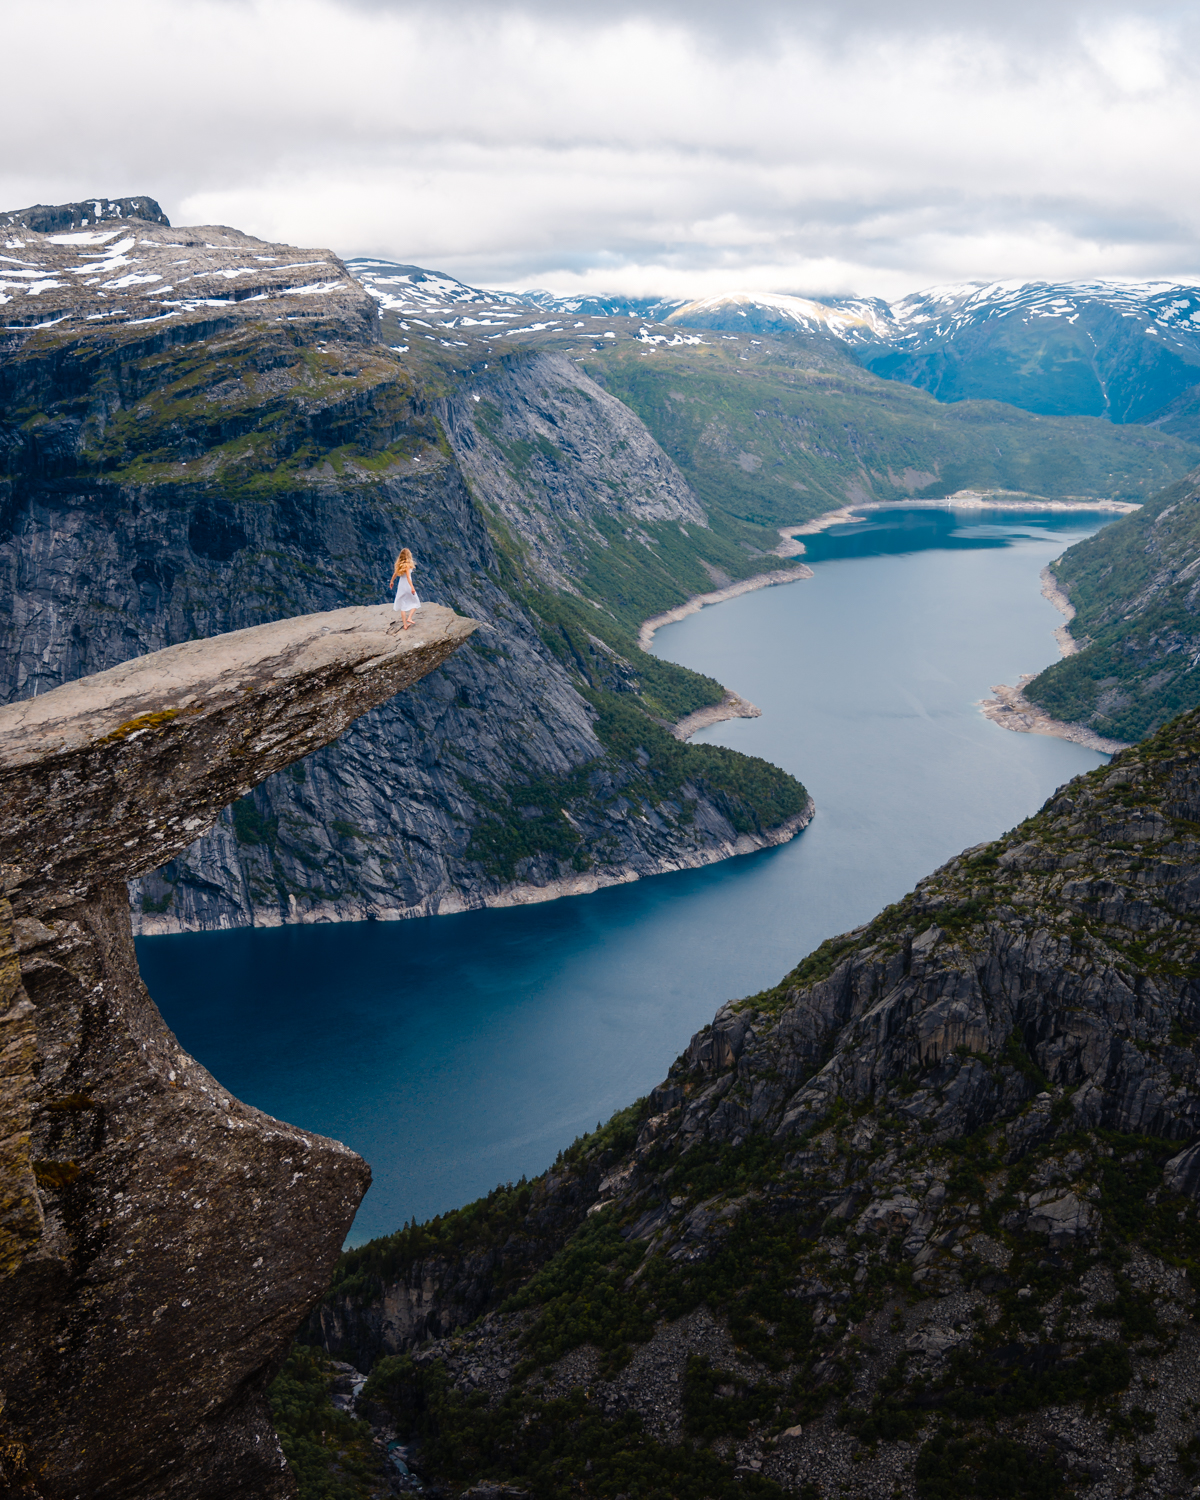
159	1241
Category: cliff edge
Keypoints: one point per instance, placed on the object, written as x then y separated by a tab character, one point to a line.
159	1240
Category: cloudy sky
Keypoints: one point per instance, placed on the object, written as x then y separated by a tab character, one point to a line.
670	146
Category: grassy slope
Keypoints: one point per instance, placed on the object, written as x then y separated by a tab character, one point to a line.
634	694
250	412
1137	618
792	430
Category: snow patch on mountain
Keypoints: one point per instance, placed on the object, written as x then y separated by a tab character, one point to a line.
940	312
853	317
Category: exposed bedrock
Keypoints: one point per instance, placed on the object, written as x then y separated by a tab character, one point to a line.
1043	986
422	806
1065	951
159	1240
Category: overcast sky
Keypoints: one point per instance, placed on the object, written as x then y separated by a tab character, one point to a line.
679	147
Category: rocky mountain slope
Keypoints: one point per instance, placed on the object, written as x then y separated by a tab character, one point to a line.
775	419
203	431
159	1240
1117	350
796	430
1134	591
1125	351
922	1219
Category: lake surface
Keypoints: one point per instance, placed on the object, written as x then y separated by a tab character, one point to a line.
458	1052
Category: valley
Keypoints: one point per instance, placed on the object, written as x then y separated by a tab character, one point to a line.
915	1220
487	1041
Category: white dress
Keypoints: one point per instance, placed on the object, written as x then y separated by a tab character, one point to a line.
406	595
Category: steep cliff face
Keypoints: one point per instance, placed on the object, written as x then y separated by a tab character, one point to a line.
235	443
1075	932
159	1240
919	1215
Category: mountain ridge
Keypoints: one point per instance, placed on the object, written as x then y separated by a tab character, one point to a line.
1058	348
920	1219
202	430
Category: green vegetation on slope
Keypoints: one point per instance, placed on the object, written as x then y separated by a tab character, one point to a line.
635	696
809	1250
555	1447
646	772
487	1224
1098	363
330	1454
250	412
589	1294
771	431
1134	589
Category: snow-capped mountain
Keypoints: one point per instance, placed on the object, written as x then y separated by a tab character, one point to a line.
1121	350
854	319
649	309
412	289
1126	351
1115	349
1163	308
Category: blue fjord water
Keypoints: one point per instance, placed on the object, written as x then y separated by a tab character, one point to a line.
458	1052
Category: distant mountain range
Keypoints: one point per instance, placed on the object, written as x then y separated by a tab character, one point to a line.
1125	351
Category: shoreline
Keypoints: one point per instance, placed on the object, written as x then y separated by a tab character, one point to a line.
731	591
961	500
452	903
1067	644
731	706
1011	709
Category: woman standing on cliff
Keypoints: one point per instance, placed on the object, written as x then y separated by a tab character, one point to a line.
406	596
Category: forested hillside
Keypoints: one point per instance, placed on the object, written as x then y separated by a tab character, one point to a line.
1136	593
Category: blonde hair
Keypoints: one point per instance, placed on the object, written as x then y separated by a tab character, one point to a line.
404	562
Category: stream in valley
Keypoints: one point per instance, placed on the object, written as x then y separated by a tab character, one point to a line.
458	1052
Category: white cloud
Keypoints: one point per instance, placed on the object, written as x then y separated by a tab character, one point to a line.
652	147
1132	54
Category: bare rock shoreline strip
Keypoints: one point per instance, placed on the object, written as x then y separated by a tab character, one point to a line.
731	706
1011	709
1067	644
585	884
960	500
699	601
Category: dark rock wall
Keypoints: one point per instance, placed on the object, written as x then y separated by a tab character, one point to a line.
48	218
1070	940
1046	983
211	502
